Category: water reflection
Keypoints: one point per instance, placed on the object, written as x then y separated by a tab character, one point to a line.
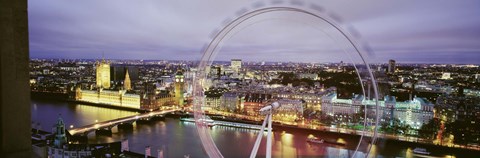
47	112
178	138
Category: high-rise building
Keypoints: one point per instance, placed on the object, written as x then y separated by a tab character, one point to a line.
236	64
103	74
127	84
391	66
179	82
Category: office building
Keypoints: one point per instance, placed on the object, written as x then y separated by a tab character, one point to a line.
236	64
391	66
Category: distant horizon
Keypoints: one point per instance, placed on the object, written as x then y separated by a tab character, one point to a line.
386	62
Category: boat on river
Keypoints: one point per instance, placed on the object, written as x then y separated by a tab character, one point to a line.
209	122
421	151
322	141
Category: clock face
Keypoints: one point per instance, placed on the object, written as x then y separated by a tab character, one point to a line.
181	80
176	80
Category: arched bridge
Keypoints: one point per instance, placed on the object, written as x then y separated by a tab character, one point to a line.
112	123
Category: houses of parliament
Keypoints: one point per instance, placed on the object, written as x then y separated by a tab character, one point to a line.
114	88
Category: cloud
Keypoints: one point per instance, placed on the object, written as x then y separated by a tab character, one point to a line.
153	29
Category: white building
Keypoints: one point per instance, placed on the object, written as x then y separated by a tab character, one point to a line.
446	76
414	113
313	100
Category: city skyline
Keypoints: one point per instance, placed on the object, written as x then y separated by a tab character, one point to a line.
312	78
442	33
422	104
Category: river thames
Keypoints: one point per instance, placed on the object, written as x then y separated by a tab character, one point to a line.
178	138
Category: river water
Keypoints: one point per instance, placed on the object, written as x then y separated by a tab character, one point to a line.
178	138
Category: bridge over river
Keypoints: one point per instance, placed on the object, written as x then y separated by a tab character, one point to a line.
108	125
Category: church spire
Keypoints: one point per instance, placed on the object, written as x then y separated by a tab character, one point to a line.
127	84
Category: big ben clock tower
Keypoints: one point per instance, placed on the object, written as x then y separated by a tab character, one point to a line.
179	83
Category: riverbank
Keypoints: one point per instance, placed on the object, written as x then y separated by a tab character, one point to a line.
292	129
178	138
382	145
327	131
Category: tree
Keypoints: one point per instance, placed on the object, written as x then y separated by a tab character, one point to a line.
386	128
326	119
429	130
395	127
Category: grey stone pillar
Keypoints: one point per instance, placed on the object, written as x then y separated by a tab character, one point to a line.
14	75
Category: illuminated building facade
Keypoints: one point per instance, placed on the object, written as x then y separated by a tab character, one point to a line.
415	112
103	74
164	100
290	110
313	100
254	102
109	97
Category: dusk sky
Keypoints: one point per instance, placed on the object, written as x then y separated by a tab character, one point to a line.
435	31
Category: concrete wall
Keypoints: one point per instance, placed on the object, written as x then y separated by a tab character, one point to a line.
15	116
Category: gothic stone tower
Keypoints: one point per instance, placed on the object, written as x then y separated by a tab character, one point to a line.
179	83
103	74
